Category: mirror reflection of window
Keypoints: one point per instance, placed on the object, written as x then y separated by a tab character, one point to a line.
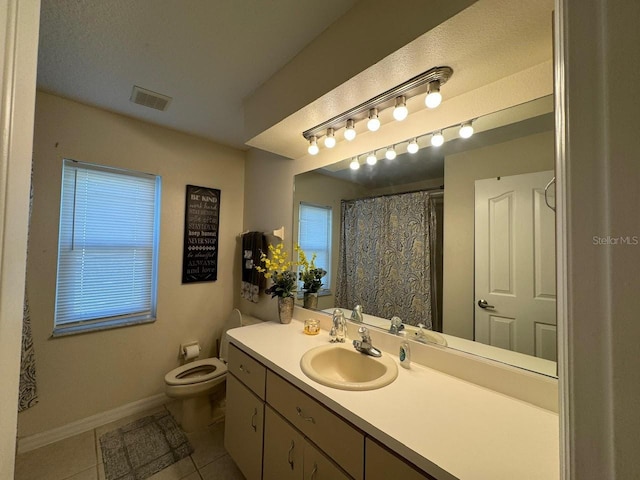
314	236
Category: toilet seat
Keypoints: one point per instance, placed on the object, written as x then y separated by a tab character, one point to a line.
196	372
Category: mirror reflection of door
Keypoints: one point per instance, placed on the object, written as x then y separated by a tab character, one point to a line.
515	287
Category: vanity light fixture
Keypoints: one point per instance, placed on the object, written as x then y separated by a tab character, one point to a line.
434	97
400	111
395	98
313	146
330	139
350	130
372	159
390	154
437	139
355	164
413	146
466	129
374	122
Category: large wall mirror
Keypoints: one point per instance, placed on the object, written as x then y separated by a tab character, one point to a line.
457	240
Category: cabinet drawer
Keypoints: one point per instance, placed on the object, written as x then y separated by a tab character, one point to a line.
342	442
248	370
381	464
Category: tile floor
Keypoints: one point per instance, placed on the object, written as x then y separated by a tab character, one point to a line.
80	457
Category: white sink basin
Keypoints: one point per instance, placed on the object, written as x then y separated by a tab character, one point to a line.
341	366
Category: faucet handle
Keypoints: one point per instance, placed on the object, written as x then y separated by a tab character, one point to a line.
364	333
396	325
356	314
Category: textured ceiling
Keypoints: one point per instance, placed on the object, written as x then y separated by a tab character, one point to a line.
210	55
206	54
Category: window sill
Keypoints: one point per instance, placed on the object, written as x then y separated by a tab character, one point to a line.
99	325
321	293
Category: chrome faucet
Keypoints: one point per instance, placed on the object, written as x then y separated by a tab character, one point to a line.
364	345
338	331
396	325
356	314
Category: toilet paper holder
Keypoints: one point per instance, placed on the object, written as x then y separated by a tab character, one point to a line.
187	351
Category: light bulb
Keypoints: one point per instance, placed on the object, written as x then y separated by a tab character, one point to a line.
350	131
313	146
390	154
413	146
355	164
330	139
466	130
437	139
371	159
400	111
374	122
433	98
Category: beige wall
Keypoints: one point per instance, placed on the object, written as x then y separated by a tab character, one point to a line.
18	58
82	375
524	155
325	191
268	194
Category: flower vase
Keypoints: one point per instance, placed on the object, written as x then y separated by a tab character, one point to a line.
310	300
285	309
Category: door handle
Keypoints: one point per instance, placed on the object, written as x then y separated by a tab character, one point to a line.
546	189
482	303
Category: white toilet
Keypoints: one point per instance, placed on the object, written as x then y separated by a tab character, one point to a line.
193	382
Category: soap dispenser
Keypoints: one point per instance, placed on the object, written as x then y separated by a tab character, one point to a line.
405	354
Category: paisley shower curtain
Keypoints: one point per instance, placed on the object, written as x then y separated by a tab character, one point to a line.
386	261
28	395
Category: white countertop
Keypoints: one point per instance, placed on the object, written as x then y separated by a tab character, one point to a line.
448	427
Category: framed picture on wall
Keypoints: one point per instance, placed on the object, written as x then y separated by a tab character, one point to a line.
201	222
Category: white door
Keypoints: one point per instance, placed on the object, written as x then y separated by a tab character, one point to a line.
515	288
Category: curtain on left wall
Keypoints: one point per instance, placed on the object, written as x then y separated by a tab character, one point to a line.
28	396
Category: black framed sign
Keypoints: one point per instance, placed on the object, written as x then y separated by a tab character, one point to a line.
201	222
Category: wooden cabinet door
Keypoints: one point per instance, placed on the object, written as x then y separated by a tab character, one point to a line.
244	426
317	465
341	441
283	449
381	464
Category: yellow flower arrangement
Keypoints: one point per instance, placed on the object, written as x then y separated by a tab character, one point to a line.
278	268
310	275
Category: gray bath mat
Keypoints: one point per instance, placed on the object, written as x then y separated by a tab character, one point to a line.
144	447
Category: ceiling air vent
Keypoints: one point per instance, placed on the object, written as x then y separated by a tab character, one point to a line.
150	99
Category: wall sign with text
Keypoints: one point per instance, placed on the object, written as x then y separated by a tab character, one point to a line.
201	221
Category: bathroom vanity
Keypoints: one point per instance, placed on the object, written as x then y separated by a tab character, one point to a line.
280	424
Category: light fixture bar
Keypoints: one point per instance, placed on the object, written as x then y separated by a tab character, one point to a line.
410	88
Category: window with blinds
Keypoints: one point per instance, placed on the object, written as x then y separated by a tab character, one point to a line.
107	248
314	236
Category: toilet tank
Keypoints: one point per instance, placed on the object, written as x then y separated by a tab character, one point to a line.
236	319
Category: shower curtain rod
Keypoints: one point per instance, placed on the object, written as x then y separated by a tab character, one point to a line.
436	190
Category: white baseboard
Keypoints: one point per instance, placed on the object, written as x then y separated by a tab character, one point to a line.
38	440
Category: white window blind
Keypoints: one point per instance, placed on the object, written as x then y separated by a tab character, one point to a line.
107	248
314	236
